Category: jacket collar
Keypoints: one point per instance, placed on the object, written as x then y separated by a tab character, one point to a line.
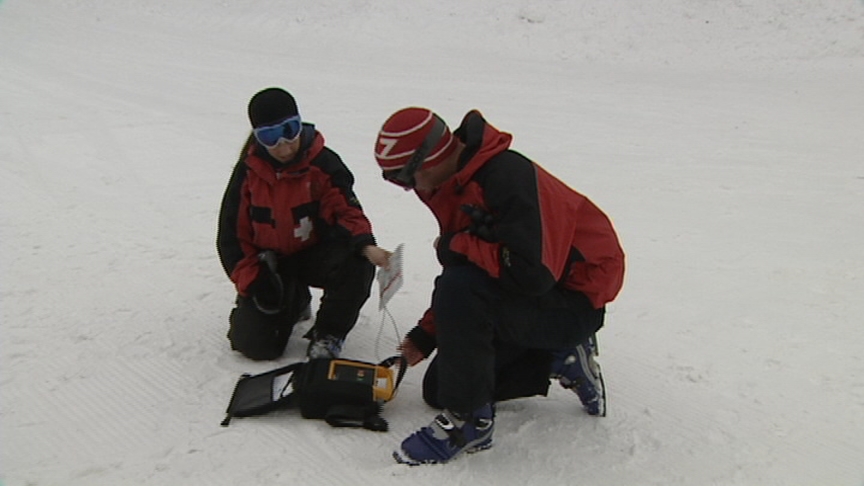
482	142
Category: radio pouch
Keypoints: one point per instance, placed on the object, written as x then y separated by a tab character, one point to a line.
345	393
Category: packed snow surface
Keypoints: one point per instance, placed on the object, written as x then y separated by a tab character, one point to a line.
724	139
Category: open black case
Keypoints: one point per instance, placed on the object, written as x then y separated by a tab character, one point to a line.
345	393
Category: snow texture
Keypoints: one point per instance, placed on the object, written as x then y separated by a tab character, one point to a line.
724	138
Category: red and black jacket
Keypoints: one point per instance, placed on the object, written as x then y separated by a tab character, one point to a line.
546	234
287	207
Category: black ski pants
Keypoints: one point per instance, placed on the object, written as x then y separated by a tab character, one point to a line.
344	277
495	345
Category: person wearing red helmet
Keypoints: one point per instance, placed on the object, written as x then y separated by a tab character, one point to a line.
528	265
289	220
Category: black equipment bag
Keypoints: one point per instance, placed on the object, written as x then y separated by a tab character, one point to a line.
345	393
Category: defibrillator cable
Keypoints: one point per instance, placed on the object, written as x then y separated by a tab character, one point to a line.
385	315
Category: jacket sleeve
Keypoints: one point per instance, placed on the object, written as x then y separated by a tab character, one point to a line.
234	234
340	207
516	258
423	334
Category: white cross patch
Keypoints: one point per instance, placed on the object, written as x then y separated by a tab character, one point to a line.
304	231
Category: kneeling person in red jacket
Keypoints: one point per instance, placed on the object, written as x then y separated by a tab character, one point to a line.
528	267
290	220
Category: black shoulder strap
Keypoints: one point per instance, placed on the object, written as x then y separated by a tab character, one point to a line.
368	417
403	367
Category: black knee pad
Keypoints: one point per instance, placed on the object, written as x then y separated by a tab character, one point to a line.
257	335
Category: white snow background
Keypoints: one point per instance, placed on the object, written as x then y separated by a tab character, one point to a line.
724	139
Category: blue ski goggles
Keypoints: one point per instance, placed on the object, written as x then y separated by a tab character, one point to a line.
288	129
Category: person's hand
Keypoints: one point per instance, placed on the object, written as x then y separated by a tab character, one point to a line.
410	352
377	256
267	290
263	287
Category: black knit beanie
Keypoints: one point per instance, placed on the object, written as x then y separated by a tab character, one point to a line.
270	106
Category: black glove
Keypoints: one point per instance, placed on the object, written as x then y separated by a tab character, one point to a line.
267	290
482	223
446	256
423	341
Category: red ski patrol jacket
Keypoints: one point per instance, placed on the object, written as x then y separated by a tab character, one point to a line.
545	233
287	207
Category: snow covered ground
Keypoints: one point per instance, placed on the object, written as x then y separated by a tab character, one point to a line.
723	137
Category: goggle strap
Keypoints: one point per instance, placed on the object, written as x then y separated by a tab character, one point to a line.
419	156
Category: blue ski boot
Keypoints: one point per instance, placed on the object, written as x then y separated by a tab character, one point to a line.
448	436
577	370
